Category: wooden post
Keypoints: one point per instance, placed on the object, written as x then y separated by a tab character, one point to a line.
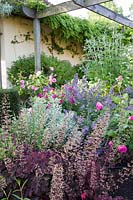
37	42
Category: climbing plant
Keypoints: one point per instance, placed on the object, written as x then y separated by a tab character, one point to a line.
68	30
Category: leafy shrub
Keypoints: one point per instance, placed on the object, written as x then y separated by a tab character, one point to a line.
120	128
106	58
24	66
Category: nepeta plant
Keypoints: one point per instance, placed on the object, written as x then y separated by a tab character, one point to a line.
82	97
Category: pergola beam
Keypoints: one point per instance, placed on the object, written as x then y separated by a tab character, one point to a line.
111	15
66	7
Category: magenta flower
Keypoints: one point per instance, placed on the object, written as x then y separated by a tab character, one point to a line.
52	79
40	95
131	118
60	101
110	144
54	96
99	106
72	100
83	196
34	88
122	148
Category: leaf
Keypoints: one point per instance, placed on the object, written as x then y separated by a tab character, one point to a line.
17	196
131	102
111	133
125	96
26	199
131	146
116	99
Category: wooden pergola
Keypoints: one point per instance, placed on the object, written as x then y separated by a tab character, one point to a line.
92	5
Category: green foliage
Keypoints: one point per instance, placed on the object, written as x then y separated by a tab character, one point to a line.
19	69
120	128
9	6
75	31
35	4
106	58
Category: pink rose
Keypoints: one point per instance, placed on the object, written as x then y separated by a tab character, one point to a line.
122	149
99	106
131	118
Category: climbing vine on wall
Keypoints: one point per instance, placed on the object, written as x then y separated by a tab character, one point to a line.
74	31
67	32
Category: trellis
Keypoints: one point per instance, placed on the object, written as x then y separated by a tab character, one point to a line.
92	5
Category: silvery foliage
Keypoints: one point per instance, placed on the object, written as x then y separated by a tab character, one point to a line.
42	125
5	8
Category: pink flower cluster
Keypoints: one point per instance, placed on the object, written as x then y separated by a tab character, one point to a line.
52	80
121	148
22	84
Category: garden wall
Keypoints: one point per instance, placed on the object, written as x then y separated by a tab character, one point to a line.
17	40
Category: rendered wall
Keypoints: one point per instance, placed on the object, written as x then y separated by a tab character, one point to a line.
17	40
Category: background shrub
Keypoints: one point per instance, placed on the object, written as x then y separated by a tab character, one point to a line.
106	58
24	66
